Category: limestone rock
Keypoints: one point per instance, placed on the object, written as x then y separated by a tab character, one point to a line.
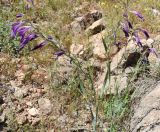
33	112
35	121
2	117
96	27
147	42
77	26
29	104
154	61
157	42
5	2
150	42
96	14
81	23
157	38
21	119
20	92
155	12
98	47
116	60
146	116
91	17
77	49
45	106
117	83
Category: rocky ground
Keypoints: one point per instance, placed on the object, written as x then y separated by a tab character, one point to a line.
35	106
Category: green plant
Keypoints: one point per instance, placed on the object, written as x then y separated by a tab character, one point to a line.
7	44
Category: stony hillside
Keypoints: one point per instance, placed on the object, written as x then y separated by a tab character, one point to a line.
79	66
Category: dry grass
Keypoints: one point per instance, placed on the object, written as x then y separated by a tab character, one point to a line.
53	18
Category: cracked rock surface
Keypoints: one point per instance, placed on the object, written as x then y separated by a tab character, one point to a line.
146	116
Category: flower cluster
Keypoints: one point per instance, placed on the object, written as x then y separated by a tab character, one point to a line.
27	34
128	28
24	32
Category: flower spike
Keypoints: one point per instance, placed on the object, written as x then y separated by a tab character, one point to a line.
138	14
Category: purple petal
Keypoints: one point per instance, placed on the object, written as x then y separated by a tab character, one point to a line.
19	15
26	40
50	37
137	39
153	50
59	53
126	33
138	14
22	31
129	24
145	33
15	27
13	32
39	45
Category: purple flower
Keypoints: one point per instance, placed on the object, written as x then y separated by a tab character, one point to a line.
31	1
59	53
39	45
50	37
19	15
137	39
129	24
26	40
145	33
153	50
138	14
15	27
22	31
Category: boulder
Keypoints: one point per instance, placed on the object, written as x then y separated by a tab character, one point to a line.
81	23
98	47
78	25
96	27
91	17
146	115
